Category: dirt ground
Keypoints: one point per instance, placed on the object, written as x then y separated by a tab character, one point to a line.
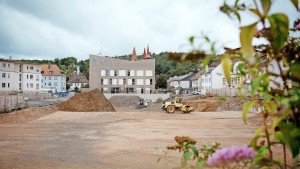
124	139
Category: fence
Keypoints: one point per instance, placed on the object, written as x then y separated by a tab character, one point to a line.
8	102
225	91
152	97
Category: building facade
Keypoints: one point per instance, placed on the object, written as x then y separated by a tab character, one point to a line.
184	81
53	79
77	80
19	76
122	76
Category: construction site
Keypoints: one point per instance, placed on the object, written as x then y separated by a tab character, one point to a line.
90	131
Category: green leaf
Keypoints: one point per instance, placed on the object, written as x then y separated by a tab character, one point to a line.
226	67
255	11
246	109
246	36
186	156
195	151
295	3
200	164
279	30
294	71
266	4
191	39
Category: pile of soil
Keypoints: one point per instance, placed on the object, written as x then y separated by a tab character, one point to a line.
201	105
124	101
28	114
215	104
86	102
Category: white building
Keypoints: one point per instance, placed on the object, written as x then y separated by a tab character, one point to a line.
184	81
53	78
78	80
19	76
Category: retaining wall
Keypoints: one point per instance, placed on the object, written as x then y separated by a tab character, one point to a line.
11	102
152	97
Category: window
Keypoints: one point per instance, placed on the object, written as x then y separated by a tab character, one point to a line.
133	82
121	82
27	67
3	75
8	75
149	73
37	86
31	76
37	77
122	72
42	72
31	67
115	73
49	78
27	85
20	77
140	81
20	86
106	72
101	81
3	85
114	81
49	84
128	73
8	85
31	85
8	65
103	73
55	83
150	81
55	78
50	72
140	73
224	82
20	68
27	76
3	65
37	71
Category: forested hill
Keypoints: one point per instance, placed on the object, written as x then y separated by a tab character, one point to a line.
164	68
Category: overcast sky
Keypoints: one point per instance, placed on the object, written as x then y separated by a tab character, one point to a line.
47	29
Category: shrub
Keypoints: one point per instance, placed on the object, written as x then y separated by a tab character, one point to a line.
159	100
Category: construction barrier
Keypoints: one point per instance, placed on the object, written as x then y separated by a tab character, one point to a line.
8	103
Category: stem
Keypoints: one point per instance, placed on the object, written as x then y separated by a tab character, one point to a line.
268	138
284	155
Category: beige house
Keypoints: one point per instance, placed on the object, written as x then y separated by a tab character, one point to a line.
19	76
113	75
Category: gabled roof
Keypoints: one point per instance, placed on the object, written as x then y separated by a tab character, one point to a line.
180	78
51	70
75	78
197	75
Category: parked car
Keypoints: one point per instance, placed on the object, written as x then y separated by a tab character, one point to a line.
197	93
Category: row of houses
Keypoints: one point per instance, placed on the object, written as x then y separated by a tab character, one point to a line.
29	77
212	77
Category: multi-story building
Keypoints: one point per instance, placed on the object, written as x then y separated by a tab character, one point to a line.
122	76
184	82
19	76
53	78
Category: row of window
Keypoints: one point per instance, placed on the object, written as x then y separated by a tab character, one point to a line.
5	75
126	73
5	65
55	84
29	85
124	82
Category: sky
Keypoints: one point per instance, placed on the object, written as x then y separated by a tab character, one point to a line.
43	29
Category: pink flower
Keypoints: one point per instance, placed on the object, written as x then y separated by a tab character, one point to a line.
230	154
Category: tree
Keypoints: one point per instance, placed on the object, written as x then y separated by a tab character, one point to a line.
161	81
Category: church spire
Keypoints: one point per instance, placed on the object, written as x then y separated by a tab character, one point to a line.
133	56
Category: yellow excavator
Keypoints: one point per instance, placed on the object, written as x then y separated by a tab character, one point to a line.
170	107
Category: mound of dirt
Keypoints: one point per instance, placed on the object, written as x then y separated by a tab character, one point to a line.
28	114
202	105
86	102
124	101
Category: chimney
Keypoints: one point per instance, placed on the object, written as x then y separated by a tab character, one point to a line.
78	70
133	56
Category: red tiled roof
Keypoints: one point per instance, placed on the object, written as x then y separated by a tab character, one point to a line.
50	70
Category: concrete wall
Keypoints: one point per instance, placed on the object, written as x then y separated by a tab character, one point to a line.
224	92
11	102
152	97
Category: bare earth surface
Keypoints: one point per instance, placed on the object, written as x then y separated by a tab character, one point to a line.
113	140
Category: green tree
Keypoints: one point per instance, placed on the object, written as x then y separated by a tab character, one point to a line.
161	81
